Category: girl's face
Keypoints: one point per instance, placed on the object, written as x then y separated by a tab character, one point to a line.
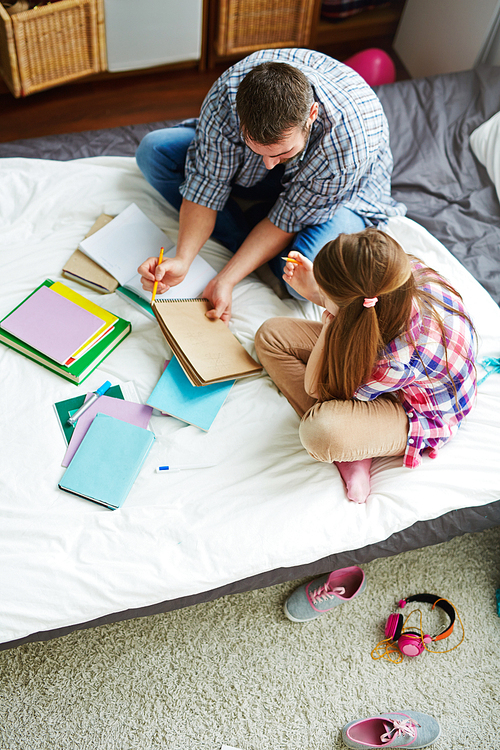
328	303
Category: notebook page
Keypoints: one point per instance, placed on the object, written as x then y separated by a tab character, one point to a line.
122	245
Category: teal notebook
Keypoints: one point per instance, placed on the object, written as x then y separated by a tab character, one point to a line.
84	365
108	461
197	405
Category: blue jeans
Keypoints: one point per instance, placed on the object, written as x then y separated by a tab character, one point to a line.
161	157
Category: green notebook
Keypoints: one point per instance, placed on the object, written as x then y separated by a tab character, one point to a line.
64	409
87	363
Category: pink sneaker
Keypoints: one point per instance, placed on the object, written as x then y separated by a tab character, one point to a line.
316	598
396	729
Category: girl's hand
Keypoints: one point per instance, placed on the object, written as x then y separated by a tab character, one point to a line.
301	278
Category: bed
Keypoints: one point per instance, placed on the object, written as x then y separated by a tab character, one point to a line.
263	512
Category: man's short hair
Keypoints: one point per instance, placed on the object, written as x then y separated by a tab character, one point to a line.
273	98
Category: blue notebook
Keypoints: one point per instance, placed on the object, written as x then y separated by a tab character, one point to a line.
108	461
197	405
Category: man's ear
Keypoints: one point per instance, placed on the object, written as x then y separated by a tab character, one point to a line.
313	112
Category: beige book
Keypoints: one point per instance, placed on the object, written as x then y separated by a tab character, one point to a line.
206	349
83	269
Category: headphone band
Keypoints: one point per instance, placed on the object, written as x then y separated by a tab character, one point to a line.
400	641
443	604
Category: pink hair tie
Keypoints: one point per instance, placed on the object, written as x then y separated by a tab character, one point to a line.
370	301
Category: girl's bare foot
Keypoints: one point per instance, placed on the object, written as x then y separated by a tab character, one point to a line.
356	477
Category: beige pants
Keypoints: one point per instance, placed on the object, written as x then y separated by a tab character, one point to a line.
333	430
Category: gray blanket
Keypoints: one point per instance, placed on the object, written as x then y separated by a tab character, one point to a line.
436	174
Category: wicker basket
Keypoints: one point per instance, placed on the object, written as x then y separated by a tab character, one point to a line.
248	25
50	45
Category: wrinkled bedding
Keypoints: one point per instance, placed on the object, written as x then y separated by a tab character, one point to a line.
265	511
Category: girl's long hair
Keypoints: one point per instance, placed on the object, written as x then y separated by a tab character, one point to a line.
365	265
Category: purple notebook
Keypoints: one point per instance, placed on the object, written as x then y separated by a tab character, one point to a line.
52	324
127	411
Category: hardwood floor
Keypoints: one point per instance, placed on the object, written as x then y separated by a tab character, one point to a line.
106	103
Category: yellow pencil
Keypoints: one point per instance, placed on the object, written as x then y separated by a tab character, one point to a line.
155	285
292	260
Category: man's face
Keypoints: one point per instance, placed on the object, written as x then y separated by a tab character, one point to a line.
290	147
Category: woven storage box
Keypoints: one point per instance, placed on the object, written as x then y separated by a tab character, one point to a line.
50	45
249	25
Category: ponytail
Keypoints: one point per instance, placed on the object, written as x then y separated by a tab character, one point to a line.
355	334
368	275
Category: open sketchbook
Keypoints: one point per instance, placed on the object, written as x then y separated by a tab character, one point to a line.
124	243
206	349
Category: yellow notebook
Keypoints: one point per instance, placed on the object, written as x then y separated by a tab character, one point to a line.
206	349
108	319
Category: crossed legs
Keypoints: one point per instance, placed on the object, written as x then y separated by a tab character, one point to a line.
347	433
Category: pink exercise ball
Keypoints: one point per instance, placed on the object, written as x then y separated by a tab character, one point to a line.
374	65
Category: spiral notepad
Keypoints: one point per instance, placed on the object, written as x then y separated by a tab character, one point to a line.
206	349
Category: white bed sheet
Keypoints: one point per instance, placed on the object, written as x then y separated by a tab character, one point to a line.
264	505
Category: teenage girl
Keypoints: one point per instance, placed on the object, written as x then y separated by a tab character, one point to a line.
390	370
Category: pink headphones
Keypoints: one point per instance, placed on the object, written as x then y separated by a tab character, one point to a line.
411	642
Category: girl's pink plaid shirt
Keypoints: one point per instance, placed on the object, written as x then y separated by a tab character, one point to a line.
437	388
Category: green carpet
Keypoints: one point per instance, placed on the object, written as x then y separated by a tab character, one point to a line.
237	672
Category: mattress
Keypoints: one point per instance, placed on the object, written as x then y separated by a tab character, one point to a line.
264	511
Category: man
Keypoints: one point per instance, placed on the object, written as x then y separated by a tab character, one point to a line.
296	135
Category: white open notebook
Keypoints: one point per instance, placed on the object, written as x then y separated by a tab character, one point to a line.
122	245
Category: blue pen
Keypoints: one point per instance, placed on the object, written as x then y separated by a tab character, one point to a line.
104	387
166	469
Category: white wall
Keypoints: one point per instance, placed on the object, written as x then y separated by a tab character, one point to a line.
493	56
145	33
444	36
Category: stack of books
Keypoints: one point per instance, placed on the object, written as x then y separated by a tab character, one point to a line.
108	459
107	446
63	331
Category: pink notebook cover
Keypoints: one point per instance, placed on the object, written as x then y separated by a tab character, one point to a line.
52	324
127	411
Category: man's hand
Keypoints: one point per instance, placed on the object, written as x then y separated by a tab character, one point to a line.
219	293
263	243
169	273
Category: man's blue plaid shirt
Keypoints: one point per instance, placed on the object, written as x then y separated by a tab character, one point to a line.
347	160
